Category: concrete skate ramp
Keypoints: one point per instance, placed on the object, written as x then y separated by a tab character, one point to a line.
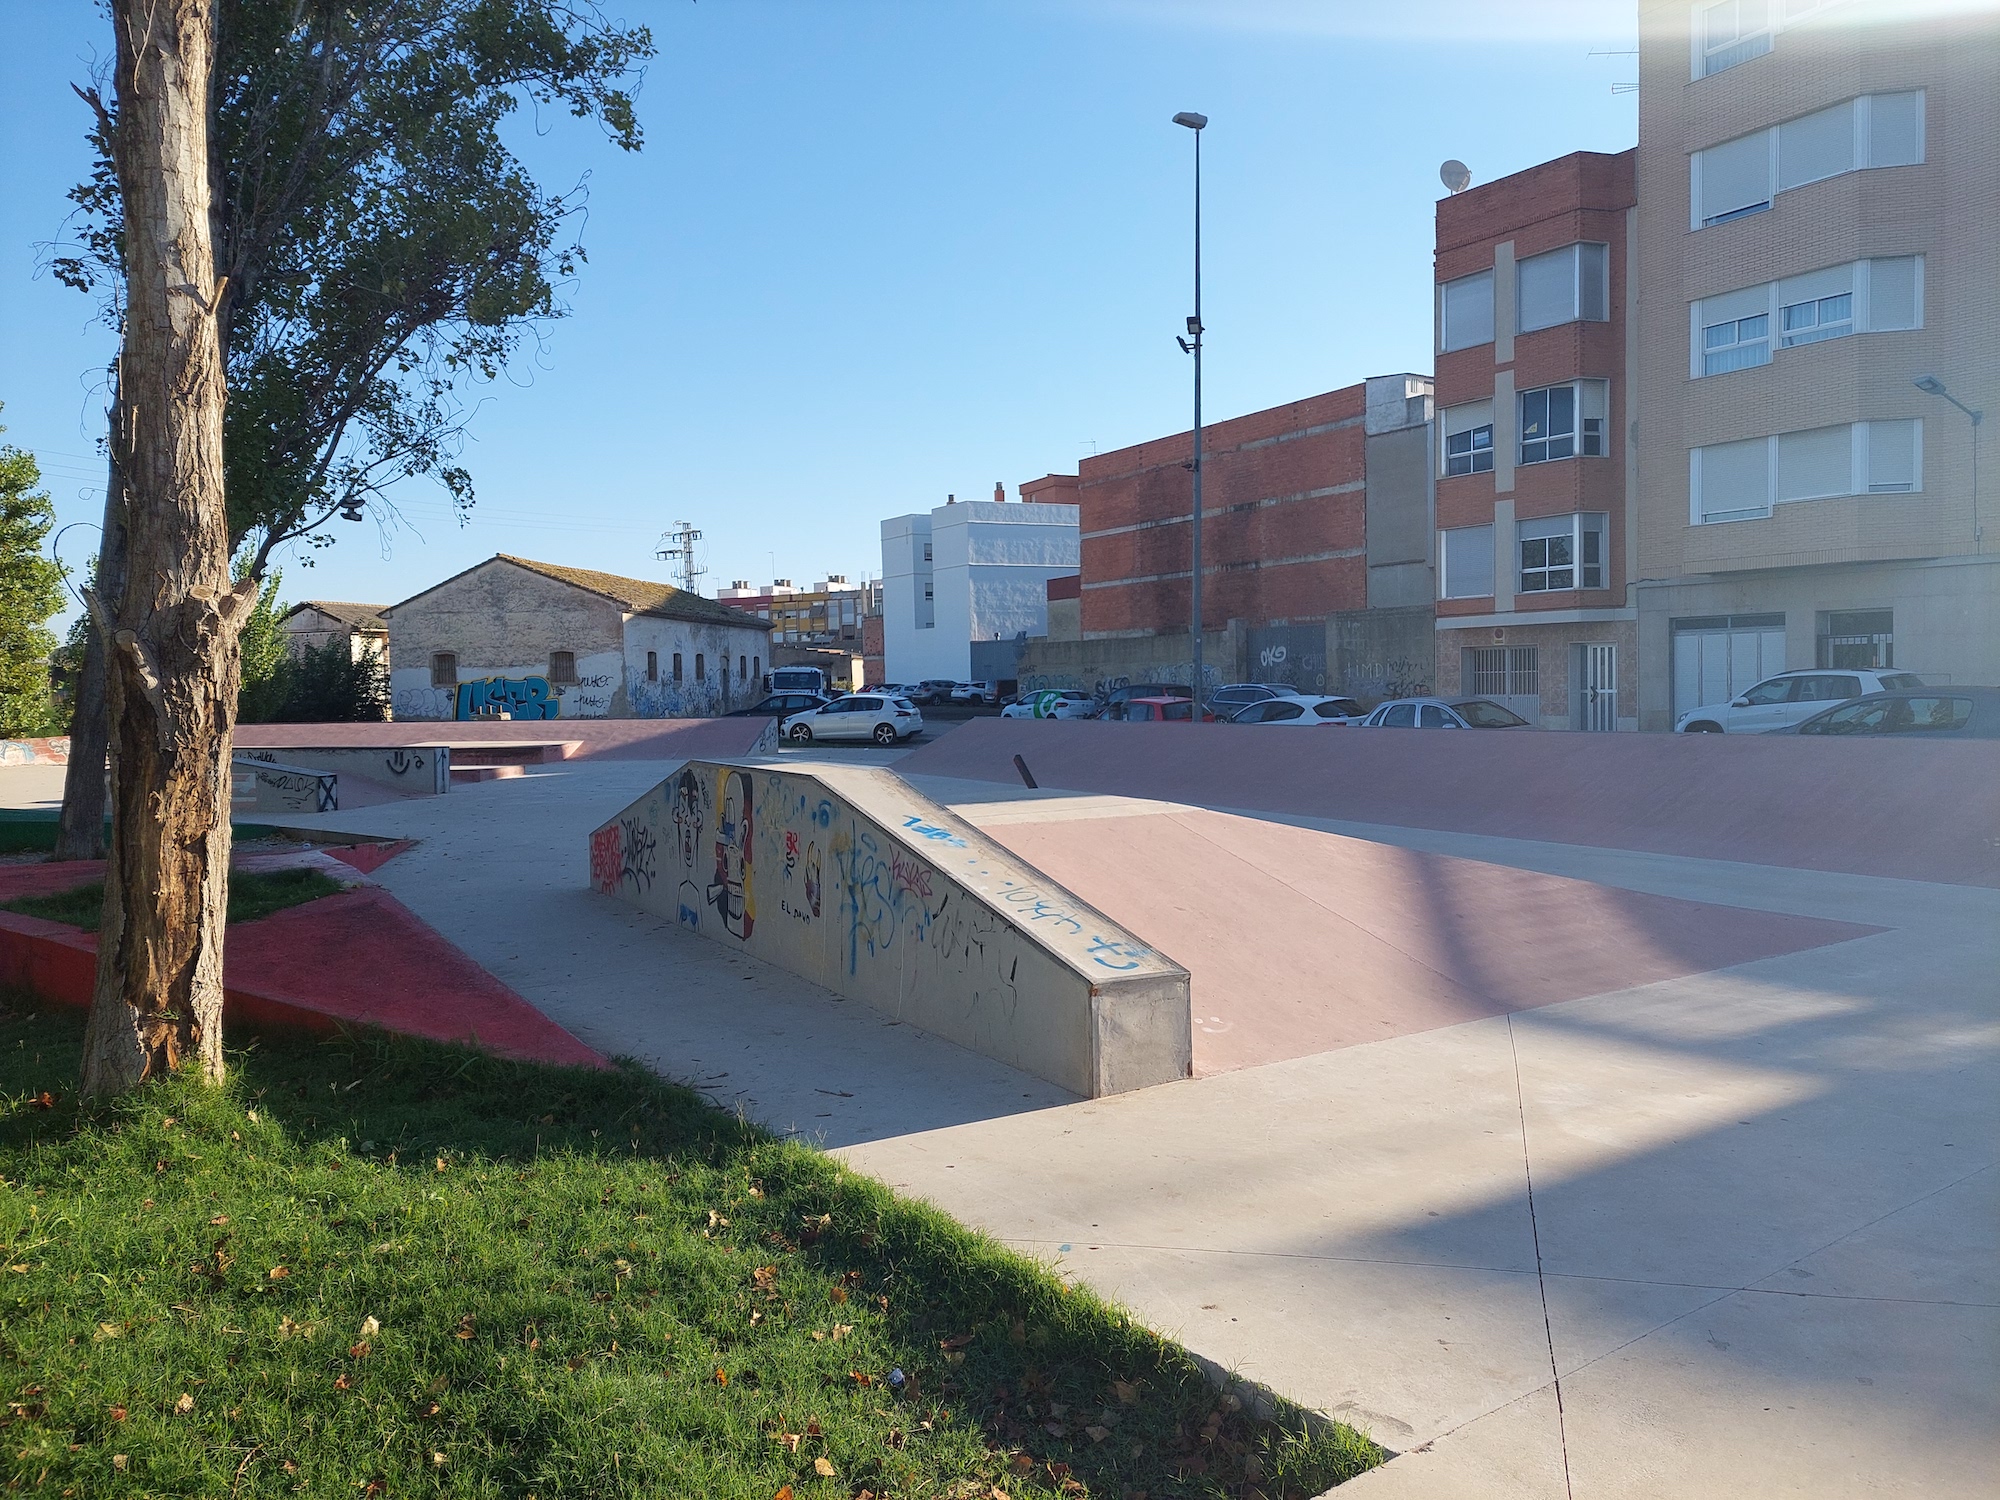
586	739
848	877
1300	942
1878	807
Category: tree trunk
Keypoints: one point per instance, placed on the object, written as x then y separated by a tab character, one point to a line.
80	831
171	632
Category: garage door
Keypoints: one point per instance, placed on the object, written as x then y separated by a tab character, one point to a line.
1718	656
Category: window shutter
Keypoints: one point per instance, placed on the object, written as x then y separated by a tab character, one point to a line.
1896	129
1892	293
1733	480
1468	311
1815	146
1892	455
1548	289
1736	175
1468	562
1815	464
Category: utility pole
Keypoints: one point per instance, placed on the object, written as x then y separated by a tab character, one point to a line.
1196	123
677	547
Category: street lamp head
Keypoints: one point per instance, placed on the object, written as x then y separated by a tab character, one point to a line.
1930	385
1194	327
1190	119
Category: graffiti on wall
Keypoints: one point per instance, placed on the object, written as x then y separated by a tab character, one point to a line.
1395	678
672	700
733	892
517	697
624	853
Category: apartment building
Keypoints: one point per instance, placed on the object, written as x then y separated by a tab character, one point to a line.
1316	550
828	612
1816	184
966	583
1535	302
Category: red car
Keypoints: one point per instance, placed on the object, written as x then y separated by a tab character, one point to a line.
1162	710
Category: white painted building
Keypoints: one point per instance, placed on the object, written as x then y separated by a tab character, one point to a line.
966	573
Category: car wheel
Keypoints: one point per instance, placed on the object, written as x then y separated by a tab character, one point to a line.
885	734
1704	727
802	734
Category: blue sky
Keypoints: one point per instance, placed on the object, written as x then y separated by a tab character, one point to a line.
876	251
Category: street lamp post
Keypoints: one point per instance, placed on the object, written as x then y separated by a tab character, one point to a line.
1195	123
1930	385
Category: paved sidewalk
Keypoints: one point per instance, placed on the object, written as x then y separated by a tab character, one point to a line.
1748	1217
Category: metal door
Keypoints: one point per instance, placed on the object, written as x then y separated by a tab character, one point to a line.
1600	687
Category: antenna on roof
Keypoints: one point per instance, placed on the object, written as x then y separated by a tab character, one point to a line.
677	547
1456	176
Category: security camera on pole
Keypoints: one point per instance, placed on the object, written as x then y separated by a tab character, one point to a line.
1192	345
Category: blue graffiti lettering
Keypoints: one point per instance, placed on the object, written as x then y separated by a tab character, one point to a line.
934	833
519	697
1131	952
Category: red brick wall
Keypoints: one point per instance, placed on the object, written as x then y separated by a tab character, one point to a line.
1583	196
1265	535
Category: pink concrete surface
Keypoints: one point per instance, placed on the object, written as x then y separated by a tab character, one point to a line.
1914	811
359	958
593	739
1301	942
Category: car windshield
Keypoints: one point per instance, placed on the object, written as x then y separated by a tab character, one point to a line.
1900	681
1481	713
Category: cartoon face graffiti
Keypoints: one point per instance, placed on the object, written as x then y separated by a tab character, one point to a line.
688	817
812	877
733	893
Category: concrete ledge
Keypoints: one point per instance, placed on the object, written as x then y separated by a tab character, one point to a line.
418	770
267	786
852	879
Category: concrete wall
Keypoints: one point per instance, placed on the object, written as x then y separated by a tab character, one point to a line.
418	770
733	661
847	877
1103	664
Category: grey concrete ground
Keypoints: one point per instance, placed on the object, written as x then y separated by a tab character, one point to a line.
1728	1234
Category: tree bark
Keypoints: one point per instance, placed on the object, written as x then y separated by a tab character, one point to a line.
171	632
80	830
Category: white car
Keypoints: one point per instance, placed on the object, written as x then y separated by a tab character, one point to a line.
1052	703
1436	713
864	716
976	692
1313	710
1789	698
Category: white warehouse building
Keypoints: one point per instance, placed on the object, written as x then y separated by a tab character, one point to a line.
963	584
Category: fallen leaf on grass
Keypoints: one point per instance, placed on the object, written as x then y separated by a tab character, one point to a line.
860	1379
1126	1391
721	1377
369	1328
716	1221
839	1294
118	1413
185	1405
279	1273
46	1100
220	1219
358	1351
119	1461
341	1383
823	1467
1097	1434
466	1328
789	1441
956	1341
784	1493
106	1331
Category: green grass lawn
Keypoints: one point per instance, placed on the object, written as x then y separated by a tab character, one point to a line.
250	897
376	1267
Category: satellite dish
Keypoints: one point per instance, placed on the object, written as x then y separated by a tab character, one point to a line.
1455	175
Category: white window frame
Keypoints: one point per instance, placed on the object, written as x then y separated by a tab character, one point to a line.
1757	342
1859	441
1580	435
1579	528
1456	426
1829	321
1779	16
1861	107
1860	321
